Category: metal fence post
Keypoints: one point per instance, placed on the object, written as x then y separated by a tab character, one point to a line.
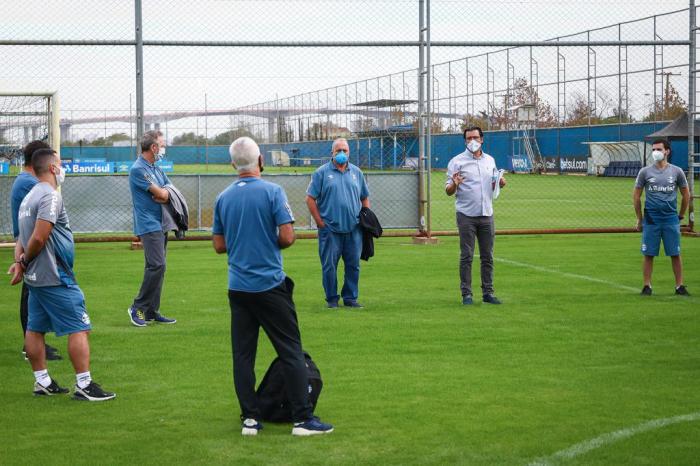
421	115
692	113
139	74
429	98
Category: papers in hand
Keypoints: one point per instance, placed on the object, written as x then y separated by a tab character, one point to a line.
497	185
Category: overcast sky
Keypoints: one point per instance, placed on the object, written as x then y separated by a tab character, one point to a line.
95	80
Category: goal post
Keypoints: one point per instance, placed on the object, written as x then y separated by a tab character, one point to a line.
27	116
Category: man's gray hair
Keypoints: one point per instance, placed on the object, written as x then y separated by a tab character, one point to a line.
149	138
337	142
244	154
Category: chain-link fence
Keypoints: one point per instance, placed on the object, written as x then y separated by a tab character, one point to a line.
558	85
102	205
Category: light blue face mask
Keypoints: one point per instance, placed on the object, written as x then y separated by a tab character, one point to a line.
341	158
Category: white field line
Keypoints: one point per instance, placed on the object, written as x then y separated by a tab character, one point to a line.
566	274
611	437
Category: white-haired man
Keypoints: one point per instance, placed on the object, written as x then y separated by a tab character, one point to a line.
336	194
253	223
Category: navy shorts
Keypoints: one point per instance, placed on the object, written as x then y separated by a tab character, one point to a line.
59	309
652	234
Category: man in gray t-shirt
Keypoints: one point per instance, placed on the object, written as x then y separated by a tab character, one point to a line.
44	260
660	219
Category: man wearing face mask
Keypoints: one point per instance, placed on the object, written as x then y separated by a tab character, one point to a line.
660	220
472	176
44	259
24	183
147	182
336	194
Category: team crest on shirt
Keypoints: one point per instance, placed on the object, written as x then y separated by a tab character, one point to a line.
330	177
669	179
241	184
652	180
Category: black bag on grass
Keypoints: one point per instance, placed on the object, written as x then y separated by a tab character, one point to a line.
272	397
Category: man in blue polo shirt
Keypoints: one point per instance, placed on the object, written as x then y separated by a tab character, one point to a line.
252	223
660	218
147	182
24	183
336	194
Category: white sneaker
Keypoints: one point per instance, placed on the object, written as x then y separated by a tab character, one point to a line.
250	427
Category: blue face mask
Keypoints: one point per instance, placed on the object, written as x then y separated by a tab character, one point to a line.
341	158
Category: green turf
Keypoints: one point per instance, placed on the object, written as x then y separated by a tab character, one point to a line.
414	378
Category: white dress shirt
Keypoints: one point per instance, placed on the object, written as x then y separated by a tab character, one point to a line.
474	195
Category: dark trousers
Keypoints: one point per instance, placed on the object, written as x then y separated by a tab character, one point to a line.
24	308
274	311
154	249
471	228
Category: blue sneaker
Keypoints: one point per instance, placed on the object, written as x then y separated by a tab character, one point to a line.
161	319
137	317
491	299
352	303
313	426
467	299
250	427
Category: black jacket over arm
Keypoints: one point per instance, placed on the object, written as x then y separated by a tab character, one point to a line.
370	229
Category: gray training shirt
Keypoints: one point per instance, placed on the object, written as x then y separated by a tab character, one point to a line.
660	196
54	264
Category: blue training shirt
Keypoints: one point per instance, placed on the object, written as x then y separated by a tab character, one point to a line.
20	188
339	195
148	214
248	214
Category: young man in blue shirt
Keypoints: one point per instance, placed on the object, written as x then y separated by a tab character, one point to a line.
24	183
253	223
660	219
336	194
147	181
44	260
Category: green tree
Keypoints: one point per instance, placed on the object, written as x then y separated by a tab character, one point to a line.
189	139
227	137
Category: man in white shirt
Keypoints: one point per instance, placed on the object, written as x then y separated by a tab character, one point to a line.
472	177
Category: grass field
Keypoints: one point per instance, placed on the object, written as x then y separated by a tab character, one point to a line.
414	378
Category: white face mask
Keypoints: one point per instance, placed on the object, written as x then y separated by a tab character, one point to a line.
473	146
161	153
657	155
60	176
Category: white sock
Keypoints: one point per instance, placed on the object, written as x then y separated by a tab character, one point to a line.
83	379
42	377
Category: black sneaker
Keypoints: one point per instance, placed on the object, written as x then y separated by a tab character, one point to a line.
92	392
646	291
53	389
52	354
467	300
682	291
352	303
491	299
